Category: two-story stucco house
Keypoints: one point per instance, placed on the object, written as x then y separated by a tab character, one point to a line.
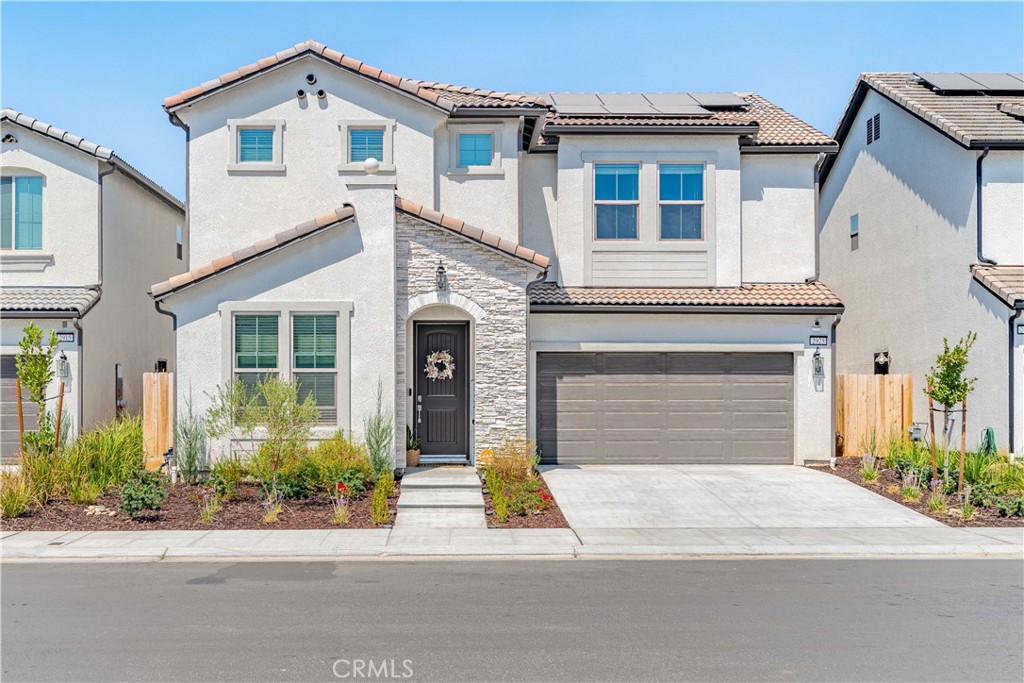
922	234
82	237
624	277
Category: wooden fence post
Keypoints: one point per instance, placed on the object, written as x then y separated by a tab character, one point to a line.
931	427
60	409
963	447
157	416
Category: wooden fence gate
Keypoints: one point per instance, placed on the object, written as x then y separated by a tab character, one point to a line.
157	416
872	406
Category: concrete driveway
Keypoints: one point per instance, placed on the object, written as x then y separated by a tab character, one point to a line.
719	496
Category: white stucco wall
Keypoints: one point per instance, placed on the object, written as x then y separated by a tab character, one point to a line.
577	153
347	263
908	284
778	217
682	332
124	327
540	207
70	232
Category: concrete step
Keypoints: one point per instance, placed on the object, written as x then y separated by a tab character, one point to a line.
440	519
441	477
432	498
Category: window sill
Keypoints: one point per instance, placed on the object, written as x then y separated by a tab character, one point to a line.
652	245
256	168
357	169
25	261
476	172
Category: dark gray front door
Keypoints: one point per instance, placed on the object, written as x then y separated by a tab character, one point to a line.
624	408
442	405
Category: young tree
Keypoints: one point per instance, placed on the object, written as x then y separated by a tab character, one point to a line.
35	368
949	386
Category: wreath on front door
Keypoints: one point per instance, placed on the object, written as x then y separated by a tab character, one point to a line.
440	365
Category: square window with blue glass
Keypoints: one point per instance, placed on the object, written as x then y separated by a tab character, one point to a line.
475	149
365	143
256	145
616	201
22	212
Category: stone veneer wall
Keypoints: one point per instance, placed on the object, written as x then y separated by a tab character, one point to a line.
497	284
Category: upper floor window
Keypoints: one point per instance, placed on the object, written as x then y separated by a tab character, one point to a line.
256	145
179	241
365	143
475	149
21	205
681	201
616	201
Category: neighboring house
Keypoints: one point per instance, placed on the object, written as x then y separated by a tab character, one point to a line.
922	234
83	234
625	277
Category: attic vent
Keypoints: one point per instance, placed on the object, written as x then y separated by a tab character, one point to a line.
874	128
8	139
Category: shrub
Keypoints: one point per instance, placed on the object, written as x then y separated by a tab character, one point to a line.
225	476
43	474
15	495
379	430
1011	506
83	491
514	460
190	443
143	491
1006	477
527	497
344	460
108	455
382	490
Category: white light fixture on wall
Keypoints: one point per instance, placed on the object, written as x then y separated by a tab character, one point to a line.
441	277
371	166
63	371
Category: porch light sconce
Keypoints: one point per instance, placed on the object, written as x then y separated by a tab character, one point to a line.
441	278
819	365
62	366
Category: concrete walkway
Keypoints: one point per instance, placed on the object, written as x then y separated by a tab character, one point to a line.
550	543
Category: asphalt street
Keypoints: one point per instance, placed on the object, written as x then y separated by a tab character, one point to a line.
745	620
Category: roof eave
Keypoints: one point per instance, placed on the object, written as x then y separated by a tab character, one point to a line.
832	148
614	129
470	111
686	308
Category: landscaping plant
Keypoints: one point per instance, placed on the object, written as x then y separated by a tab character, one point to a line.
209	503
937	502
911	488
512	480
339	501
948	386
379	432
868	468
143	491
190	443
15	495
967	508
1011	506
35	369
225	475
382	490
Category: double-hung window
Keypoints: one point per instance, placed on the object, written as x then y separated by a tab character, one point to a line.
315	362
21	203
475	149
365	143
681	201
256	348
616	201
256	145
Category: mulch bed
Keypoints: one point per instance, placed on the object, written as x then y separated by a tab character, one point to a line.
849	469
180	511
548	518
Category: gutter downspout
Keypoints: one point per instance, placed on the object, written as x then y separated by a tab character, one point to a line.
529	353
832	454
978	181
1018	309
186	247
817	231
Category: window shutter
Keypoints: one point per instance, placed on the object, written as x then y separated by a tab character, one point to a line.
878	125
871	128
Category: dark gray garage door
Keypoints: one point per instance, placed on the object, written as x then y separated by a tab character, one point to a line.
608	408
9	442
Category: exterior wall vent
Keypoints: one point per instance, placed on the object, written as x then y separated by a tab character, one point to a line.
874	127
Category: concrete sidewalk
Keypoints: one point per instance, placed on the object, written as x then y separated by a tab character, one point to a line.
548	543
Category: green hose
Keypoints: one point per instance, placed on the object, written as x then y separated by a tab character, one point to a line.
988	441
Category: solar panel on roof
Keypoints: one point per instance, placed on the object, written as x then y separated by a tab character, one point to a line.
997	81
575	98
950	81
670	98
683	110
594	109
624	99
719	99
644	109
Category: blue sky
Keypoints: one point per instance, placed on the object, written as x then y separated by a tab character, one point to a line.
101	70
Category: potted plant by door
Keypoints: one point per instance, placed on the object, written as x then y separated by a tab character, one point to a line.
412	448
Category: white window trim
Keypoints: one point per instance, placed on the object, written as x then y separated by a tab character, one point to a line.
387	164
683	202
286	311
277	165
638	202
494	170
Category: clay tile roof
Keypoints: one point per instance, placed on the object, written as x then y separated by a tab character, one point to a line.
72	300
797	295
1006	282
236	258
774	125
90	148
471	233
448	97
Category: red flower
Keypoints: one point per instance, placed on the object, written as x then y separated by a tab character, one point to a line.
341	487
